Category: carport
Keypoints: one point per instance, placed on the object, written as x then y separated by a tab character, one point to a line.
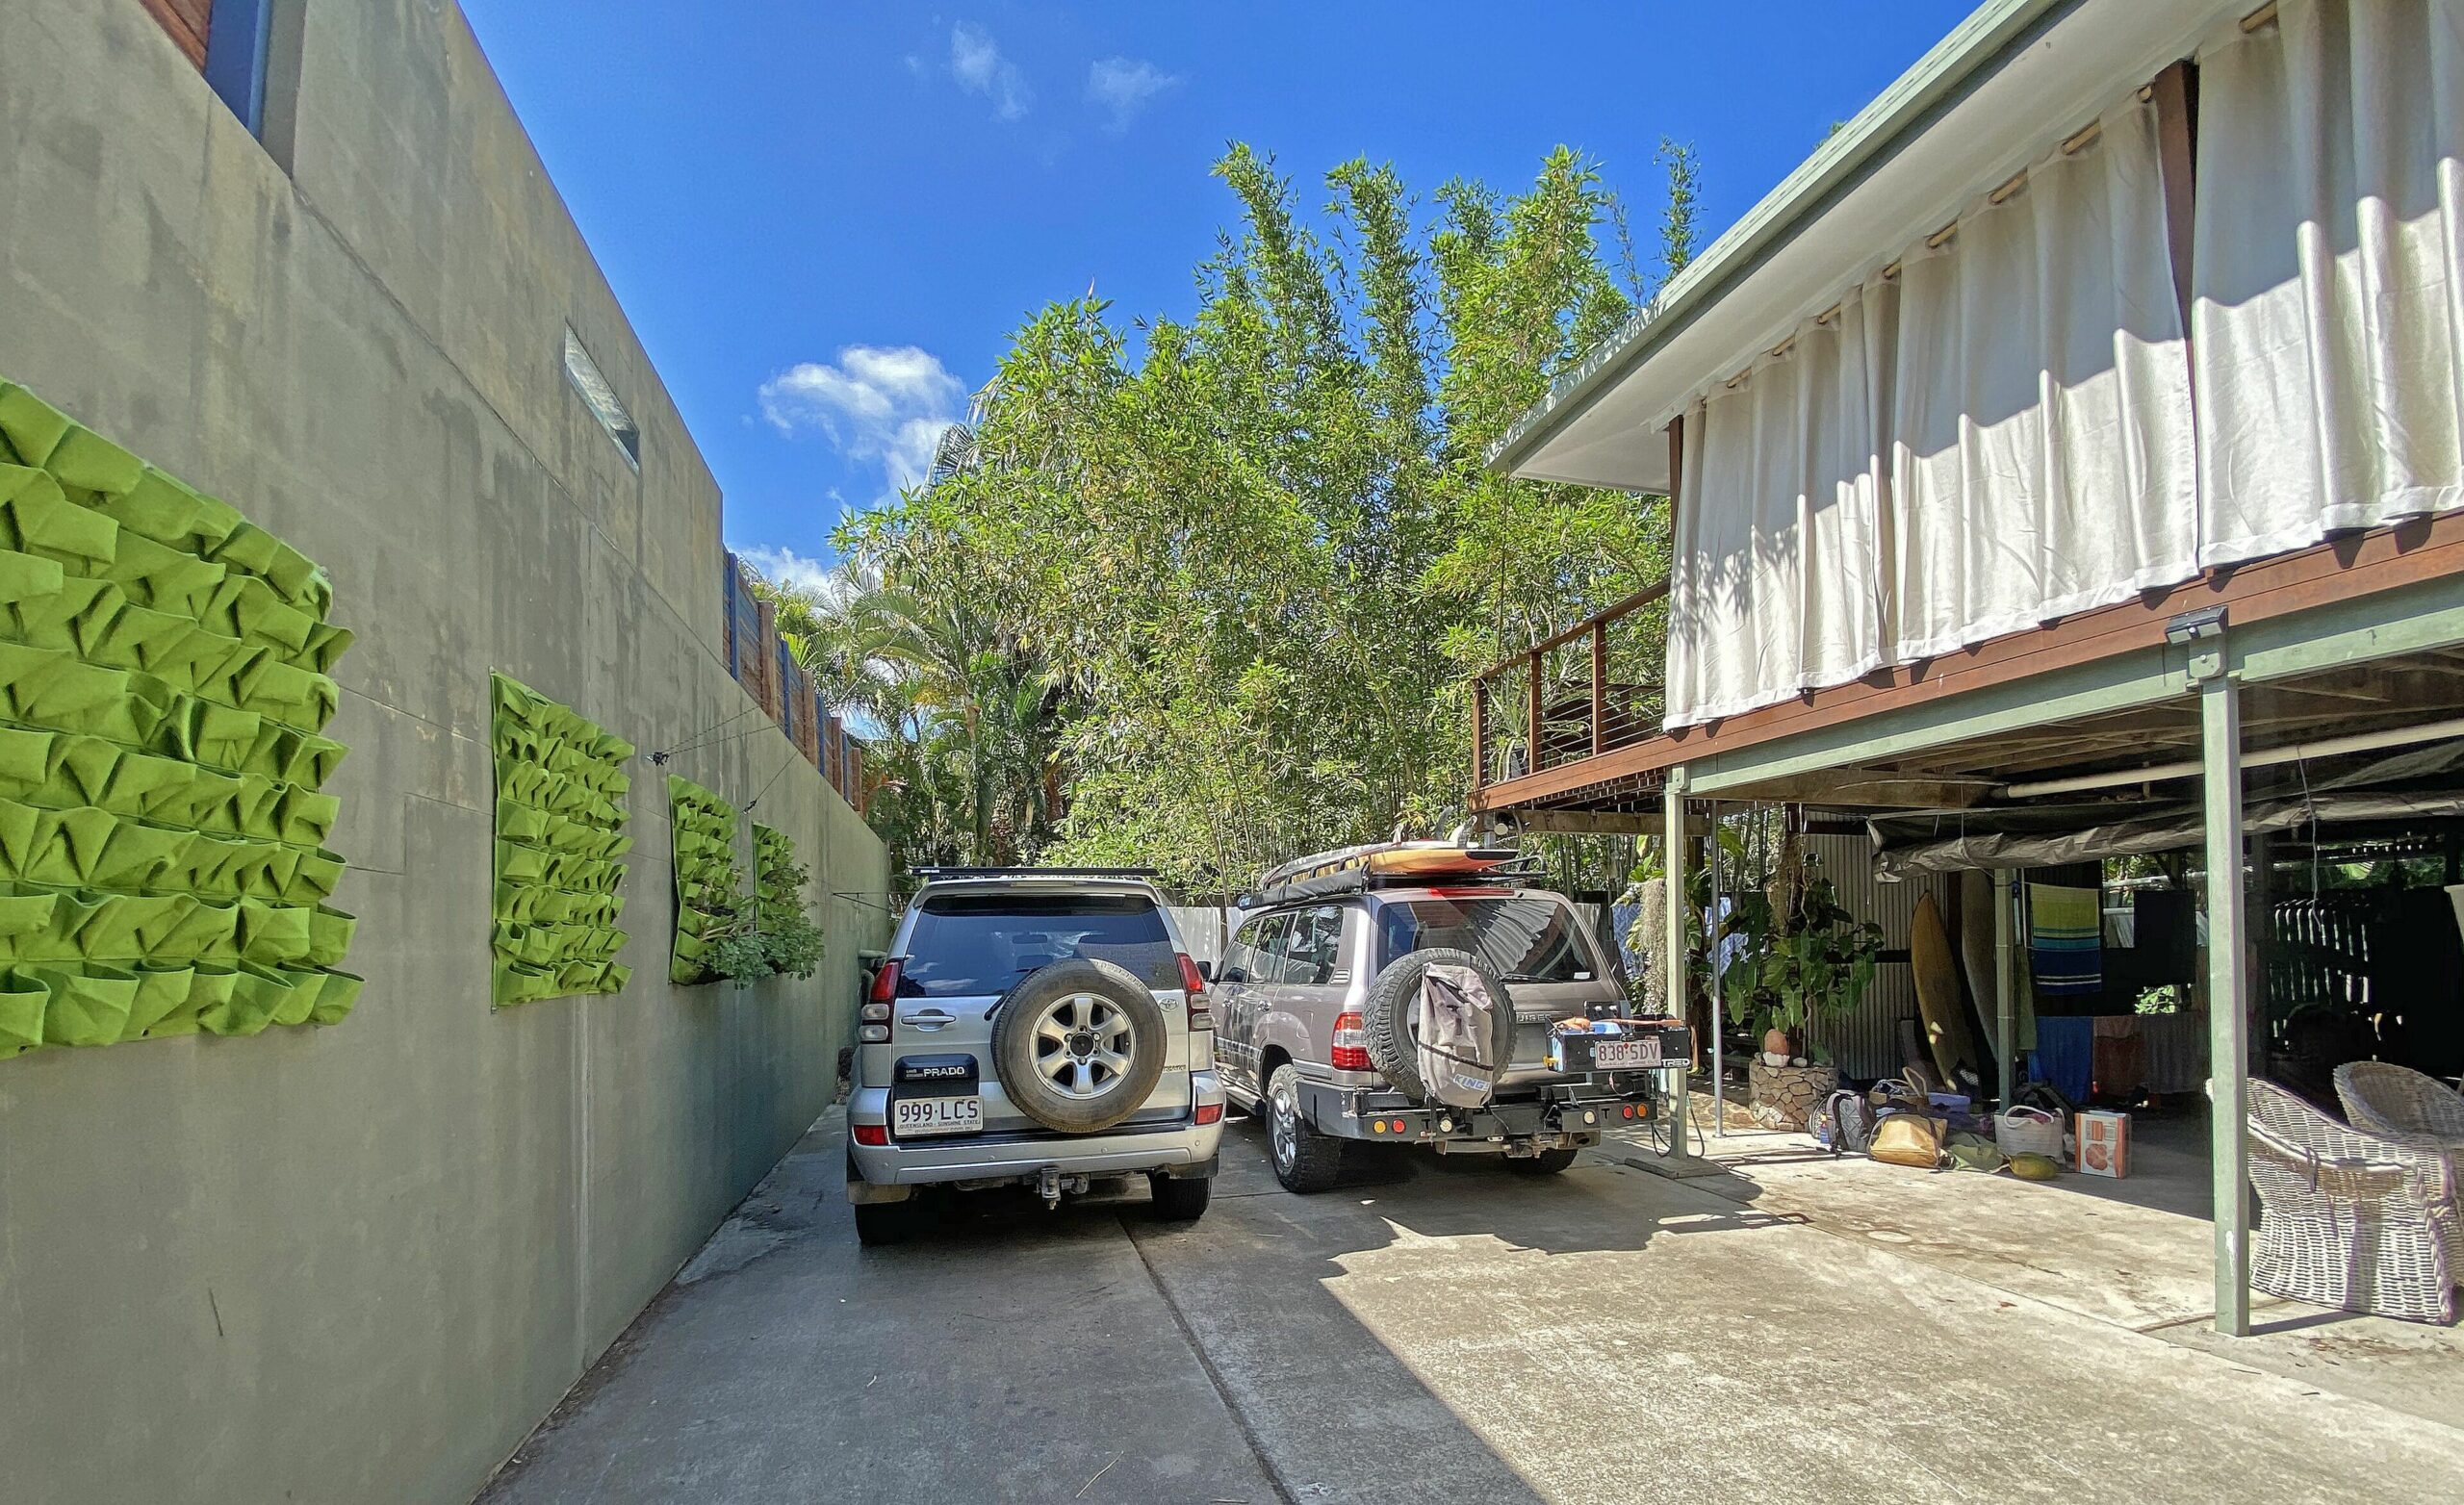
2079	426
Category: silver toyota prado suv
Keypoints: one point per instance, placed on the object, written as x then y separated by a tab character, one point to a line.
1043	1026
1319	1001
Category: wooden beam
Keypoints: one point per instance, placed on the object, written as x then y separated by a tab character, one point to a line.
2380	560
2177	166
1479	734
1869	788
1601	822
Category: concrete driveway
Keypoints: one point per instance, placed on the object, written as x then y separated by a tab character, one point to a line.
1443	1333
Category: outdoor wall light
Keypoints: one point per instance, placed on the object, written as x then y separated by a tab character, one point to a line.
2208	622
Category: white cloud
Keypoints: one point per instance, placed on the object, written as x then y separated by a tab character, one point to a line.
785	566
1124	86
978	66
885	403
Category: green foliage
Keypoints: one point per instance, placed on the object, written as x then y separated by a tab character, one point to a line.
1219	578
1803	959
773	936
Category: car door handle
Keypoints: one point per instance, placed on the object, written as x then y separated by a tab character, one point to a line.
928	1019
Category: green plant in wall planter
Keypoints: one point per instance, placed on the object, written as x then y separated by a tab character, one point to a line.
164	690
778	938
559	832
709	900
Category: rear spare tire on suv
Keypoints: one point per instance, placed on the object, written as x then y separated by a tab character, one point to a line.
1078	1045
1388	1016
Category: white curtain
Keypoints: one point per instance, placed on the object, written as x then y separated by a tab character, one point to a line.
2043	457
1777	568
2329	319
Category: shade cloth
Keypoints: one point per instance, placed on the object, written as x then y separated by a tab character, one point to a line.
1778	552
2043	453
2328	306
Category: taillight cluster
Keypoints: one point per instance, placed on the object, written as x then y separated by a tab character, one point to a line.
1350	1051
872	1021
1202	1015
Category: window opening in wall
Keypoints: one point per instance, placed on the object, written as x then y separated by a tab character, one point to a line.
238	47
584	372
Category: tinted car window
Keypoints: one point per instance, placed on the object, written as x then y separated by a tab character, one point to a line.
1242	956
1266	957
1522	940
967	944
1316	938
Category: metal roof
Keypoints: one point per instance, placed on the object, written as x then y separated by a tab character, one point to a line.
2006	84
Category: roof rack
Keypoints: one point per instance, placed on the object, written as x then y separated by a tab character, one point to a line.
1030	872
1386	864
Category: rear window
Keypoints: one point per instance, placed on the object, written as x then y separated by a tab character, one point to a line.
1522	940
975	944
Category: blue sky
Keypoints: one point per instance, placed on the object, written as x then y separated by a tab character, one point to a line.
825	219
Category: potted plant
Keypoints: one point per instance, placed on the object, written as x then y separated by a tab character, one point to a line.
1790	956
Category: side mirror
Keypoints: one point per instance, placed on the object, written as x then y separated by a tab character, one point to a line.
1206	971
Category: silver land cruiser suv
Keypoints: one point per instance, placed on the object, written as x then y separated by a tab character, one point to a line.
1313	1000
1043	1026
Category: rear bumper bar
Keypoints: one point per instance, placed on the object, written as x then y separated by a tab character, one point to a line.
1182	1147
1572	1109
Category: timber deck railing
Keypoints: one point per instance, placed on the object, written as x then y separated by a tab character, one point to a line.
1592	688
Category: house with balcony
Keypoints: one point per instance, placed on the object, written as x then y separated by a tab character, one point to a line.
2066	461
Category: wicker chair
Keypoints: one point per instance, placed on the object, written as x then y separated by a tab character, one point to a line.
2397	1100
2351	1219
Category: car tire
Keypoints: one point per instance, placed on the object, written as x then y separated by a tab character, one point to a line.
1548	1163
1305	1159
1078	1045
1178	1199
1388	1016
880	1223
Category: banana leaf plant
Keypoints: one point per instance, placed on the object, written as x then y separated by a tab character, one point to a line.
1793	956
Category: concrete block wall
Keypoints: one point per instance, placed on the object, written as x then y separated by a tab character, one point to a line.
359	1263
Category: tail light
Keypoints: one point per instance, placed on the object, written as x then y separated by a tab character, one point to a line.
873	1024
1350	1051
1209	1113
873	1134
884	985
1202	1015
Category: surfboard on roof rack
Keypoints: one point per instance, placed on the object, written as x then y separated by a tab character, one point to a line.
1351	869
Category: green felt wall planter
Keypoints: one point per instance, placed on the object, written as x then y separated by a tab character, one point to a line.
707	883
166	679
774	898
560	818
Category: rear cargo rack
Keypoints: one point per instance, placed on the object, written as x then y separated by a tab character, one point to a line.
1030	872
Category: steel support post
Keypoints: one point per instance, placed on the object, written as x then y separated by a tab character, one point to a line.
2006	1009
1673	823
2229	993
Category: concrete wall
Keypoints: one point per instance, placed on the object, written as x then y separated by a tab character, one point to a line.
357	1263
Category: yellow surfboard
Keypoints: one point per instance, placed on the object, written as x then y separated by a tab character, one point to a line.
1929	956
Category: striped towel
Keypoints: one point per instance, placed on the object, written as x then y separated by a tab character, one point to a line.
2065	940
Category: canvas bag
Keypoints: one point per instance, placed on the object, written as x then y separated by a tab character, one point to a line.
1908	1139
1453	1025
1848	1123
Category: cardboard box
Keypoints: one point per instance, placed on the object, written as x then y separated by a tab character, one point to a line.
2104	1143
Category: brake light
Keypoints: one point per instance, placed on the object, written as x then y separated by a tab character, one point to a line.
1350	1051
1210	1113
1201	1014
886	983
873	1134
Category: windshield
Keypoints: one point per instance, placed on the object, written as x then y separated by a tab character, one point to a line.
1522	940
974	944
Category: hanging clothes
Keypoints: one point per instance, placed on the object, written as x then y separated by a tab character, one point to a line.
2066	941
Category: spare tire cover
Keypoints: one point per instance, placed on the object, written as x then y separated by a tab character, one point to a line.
1471	1062
1078	1045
